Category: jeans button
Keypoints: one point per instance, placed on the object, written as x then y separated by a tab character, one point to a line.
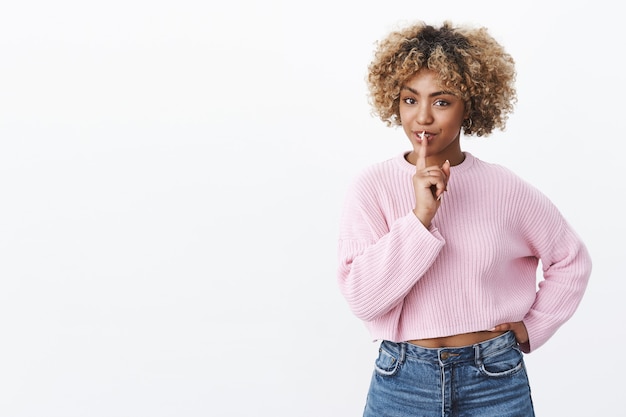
444	356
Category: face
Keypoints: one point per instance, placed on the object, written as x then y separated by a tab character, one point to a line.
425	107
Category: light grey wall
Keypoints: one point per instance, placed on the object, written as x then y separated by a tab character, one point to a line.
171	175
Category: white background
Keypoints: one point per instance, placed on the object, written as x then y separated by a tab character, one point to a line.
171	176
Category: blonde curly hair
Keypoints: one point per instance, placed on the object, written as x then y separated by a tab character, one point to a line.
469	62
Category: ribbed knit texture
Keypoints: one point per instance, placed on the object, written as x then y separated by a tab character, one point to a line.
475	267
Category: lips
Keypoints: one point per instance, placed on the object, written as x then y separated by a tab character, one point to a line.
427	135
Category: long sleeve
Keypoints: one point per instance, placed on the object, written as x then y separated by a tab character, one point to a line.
566	268
376	272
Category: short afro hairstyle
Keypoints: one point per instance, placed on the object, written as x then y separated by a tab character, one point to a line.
469	62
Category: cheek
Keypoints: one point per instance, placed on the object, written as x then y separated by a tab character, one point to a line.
406	125
455	120
405	117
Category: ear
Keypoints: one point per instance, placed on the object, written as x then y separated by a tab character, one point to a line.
468	109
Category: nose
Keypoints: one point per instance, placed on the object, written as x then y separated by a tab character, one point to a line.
423	114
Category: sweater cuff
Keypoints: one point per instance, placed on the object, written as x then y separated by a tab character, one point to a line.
432	230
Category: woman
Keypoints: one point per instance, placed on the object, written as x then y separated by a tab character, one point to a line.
439	250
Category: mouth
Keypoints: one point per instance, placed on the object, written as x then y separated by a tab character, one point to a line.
421	135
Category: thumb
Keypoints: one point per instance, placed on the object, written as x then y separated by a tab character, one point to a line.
501	327
445	167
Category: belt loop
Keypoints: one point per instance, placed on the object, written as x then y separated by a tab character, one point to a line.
478	359
402	352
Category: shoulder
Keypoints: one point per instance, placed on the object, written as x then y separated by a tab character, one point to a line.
506	185
521	196
493	169
499	174
389	170
379	182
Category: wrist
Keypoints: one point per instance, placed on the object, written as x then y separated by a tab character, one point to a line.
426	221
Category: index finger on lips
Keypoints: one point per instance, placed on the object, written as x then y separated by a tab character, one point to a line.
420	164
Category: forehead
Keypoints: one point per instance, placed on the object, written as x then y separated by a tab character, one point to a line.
425	81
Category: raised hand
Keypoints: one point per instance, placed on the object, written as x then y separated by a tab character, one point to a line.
430	182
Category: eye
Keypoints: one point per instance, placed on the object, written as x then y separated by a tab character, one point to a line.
441	103
409	100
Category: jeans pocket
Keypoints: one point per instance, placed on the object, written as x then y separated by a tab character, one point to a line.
505	363
386	363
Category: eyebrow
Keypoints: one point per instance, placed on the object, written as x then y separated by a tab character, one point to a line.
436	93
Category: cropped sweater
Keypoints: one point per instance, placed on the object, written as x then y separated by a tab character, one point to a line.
475	267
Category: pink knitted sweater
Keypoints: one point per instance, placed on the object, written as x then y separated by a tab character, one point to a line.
475	267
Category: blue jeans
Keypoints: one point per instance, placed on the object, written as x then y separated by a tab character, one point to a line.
487	379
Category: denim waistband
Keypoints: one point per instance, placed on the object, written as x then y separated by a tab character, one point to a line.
409	351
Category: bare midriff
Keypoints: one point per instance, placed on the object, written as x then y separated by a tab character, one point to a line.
457	340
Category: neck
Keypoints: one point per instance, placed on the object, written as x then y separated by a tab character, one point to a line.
438	160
